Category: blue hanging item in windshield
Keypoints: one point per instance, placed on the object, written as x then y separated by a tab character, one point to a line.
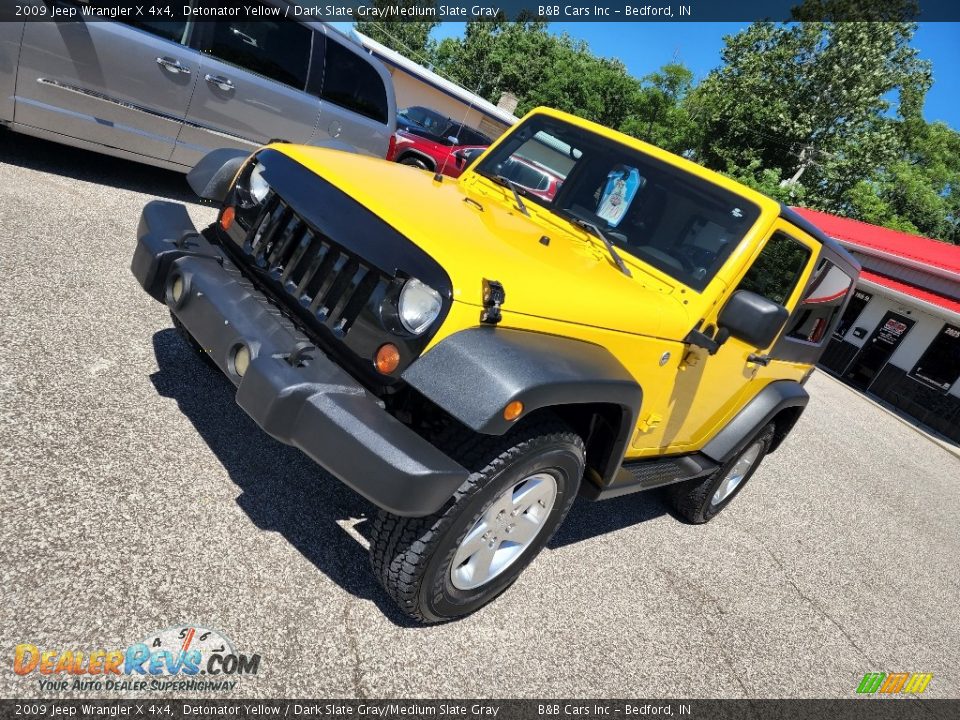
622	185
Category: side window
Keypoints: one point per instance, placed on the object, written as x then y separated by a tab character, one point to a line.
352	83
777	269
277	49
173	30
820	304
940	364
856	305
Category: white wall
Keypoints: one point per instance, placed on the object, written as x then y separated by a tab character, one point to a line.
413	91
926	327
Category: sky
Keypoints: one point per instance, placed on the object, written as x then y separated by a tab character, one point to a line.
644	47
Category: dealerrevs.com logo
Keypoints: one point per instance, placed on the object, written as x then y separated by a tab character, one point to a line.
182	658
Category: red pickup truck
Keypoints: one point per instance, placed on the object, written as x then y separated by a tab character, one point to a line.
430	141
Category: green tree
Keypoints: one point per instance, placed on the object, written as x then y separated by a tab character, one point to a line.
659	115
540	68
410	38
802	110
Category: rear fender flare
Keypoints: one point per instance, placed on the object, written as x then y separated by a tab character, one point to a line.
768	404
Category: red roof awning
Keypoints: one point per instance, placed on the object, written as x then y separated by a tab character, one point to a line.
910	247
913	291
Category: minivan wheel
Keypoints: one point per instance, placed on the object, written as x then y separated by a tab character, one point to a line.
698	501
453	562
414	162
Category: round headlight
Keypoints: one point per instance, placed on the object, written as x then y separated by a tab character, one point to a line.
419	306
257	186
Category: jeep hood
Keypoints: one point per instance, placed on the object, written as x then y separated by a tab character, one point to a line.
547	268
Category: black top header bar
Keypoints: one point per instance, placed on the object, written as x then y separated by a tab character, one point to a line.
489	10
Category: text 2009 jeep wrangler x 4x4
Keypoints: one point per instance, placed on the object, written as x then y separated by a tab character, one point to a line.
470	356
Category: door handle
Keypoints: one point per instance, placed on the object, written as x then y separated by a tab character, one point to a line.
173	66
759	359
220	81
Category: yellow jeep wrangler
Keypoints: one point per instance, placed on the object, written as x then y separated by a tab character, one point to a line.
578	313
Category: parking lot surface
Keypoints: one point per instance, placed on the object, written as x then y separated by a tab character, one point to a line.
135	496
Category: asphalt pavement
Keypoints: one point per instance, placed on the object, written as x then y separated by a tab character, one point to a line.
135	495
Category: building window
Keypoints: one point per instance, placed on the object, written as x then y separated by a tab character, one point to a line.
821	303
857	303
940	364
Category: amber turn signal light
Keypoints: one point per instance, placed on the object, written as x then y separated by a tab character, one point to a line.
513	410
387	359
227	217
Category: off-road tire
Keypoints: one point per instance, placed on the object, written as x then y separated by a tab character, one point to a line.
191	341
414	162
412	556
692	499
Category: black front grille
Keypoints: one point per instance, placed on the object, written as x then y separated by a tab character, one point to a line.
318	275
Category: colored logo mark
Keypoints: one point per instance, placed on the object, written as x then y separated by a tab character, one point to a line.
894	683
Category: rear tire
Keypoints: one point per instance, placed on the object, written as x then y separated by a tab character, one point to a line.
452	563
700	500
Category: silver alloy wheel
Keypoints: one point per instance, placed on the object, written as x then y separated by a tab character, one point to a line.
739	470
504	531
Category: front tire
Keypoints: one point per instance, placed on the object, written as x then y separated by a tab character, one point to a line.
452	563
699	501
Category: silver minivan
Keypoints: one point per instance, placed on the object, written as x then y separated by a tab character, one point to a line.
167	92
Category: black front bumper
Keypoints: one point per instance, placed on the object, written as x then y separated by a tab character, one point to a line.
291	389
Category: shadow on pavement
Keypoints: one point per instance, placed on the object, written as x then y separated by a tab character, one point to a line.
589	519
45	156
284	491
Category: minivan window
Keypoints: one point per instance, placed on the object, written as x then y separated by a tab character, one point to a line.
278	49
173	30
352	83
777	269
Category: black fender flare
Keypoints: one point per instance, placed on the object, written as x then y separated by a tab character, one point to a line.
773	399
211	177
475	373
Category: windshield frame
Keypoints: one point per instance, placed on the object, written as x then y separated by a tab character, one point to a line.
683	183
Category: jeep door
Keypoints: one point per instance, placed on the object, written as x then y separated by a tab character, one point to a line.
125	86
251	86
358	105
711	389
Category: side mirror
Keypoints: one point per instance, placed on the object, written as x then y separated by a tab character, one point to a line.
752	318
454	140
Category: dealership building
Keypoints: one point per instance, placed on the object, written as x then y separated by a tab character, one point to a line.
899	338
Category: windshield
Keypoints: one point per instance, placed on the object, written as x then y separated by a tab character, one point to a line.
660	214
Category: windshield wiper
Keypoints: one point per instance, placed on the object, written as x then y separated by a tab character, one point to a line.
594	229
513	187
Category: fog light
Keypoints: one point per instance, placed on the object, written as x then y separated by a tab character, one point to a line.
241	360
513	410
176	290
387	359
227	216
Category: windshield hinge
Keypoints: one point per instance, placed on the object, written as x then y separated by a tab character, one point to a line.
493	297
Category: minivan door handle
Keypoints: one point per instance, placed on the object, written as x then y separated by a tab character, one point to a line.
220	81
173	66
